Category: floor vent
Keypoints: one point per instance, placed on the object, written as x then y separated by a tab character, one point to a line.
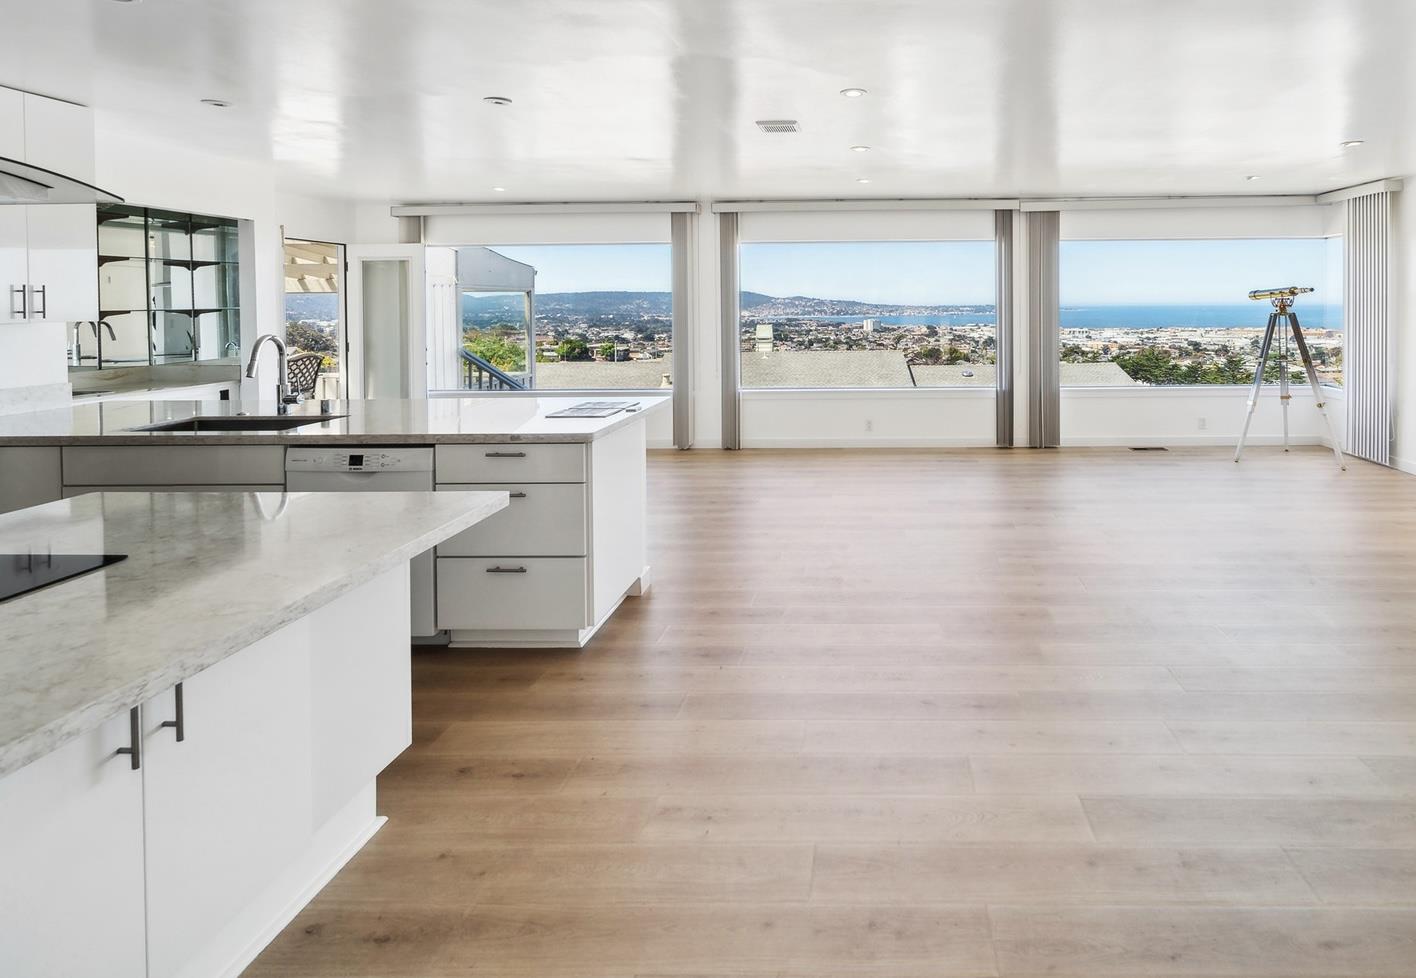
777	125
1149	448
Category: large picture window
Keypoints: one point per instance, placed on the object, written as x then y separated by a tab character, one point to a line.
1175	312
581	316
867	314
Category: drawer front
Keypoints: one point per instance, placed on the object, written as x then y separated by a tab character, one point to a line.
512	592
172	465
543	519
509	463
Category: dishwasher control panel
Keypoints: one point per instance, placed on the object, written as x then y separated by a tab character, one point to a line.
359	459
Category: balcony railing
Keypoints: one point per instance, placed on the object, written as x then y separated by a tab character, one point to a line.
482	375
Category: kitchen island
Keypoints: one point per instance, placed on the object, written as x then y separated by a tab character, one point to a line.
189	737
559	560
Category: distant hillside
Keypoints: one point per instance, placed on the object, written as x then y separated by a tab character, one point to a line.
318	306
487	310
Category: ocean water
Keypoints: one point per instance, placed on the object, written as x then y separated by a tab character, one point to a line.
1247	315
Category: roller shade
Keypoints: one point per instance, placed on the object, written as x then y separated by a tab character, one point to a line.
856	225
534	228
1178	223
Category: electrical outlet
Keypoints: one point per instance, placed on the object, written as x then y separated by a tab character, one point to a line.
1204	424
869	425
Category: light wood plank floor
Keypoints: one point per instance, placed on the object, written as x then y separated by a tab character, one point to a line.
1076	713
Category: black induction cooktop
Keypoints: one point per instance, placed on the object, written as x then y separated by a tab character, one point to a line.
23	573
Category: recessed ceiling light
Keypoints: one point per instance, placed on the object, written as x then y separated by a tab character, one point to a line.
853	92
1350	143
1252	177
500	190
860	149
216	103
497	100
862	179
127	1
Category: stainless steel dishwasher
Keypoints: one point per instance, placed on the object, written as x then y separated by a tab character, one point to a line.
373	469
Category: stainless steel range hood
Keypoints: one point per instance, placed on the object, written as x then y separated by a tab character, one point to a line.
21	183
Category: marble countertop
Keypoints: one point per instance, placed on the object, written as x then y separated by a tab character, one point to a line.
437	420
207	575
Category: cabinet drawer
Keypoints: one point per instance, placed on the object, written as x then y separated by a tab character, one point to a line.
512	592
509	463
174	465
544	519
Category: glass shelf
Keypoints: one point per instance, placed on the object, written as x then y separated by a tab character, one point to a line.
173	277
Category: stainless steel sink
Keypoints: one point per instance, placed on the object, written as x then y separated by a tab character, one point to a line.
239	422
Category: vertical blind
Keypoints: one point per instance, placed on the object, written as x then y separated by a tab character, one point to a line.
1367	313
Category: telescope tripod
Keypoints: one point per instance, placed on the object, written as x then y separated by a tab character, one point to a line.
1283	312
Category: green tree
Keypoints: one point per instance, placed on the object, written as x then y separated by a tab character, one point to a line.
930	354
573	349
1150	366
607	350
497	351
954	355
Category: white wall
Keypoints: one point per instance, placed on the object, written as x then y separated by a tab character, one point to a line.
150	172
920	418
1172	416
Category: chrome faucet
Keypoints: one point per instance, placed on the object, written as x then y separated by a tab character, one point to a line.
282	384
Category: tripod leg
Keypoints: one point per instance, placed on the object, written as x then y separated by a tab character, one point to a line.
1302	345
1258	382
1283	393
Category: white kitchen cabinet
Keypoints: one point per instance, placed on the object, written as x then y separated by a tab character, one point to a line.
361	711
48	252
71	862
229	806
541	520
510	462
63	262
551	568
530	594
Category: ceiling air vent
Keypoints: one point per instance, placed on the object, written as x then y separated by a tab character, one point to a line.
777	125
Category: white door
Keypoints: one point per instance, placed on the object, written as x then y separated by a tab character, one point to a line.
388	350
228	806
71	861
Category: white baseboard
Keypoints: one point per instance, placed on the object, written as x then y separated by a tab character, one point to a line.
1187	441
1403	465
866	443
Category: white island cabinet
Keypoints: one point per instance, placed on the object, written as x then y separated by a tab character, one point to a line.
173	788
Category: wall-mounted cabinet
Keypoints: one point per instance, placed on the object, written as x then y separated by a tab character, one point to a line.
47	250
168	287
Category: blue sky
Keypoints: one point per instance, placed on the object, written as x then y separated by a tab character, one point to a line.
933	272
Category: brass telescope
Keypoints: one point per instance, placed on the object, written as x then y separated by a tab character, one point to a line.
1287	292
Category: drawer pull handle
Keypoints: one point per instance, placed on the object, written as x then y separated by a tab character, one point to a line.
135	740
21	293
39	299
180	724
517	495
506	570
506	454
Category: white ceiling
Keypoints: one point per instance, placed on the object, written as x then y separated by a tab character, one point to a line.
652	99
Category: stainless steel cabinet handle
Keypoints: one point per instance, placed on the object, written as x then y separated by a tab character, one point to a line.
179	724
20	292
516	495
506	570
506	454
135	739
40	295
